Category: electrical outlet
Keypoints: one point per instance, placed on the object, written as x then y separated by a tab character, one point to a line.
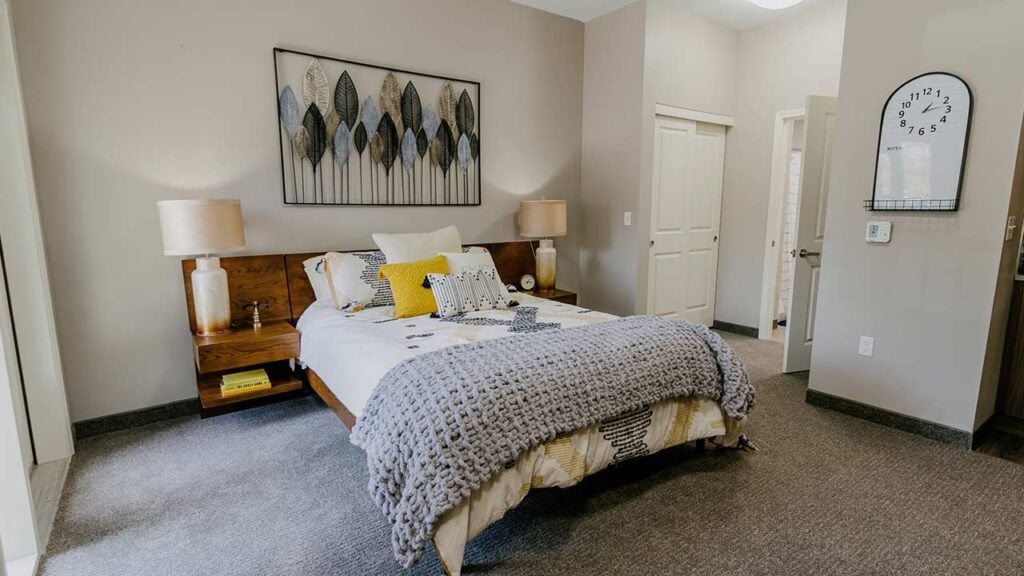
627	219
867	346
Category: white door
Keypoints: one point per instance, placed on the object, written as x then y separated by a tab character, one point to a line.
819	129
10	365
686	203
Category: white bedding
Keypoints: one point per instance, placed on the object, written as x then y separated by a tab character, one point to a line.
352	351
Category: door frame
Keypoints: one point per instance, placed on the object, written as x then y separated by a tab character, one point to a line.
773	229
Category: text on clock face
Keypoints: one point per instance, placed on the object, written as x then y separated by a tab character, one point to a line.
924	111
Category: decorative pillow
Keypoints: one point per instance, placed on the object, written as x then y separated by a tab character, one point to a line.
315	271
411	247
470	291
476	258
413	296
353	280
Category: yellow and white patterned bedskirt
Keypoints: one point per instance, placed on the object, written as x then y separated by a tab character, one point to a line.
570	458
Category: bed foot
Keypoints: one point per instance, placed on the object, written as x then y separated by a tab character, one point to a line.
700	445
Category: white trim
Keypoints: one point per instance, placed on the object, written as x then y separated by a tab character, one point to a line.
773	230
695	115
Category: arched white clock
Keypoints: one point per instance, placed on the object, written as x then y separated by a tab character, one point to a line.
922	145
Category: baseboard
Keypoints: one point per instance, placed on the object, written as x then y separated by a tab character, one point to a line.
136	418
891	419
736	328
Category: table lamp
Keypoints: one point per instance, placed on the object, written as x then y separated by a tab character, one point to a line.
543	219
200	228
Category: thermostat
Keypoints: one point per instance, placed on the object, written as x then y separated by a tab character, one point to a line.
879	232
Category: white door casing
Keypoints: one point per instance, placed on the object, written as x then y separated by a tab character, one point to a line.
819	126
686	204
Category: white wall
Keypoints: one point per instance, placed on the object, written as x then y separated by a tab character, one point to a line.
927	297
779	65
610	171
130	102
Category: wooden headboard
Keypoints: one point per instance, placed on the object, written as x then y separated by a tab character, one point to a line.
279	281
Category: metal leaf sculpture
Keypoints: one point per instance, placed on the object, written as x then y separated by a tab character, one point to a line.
412	108
389	140
370	116
446	150
315	88
313	122
465	116
430	123
474	146
446	105
391	100
359	138
346	99
409	150
341	144
301	142
464	153
422	143
289	111
331	122
376	149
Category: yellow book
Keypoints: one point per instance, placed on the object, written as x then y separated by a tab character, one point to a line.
258	376
245	389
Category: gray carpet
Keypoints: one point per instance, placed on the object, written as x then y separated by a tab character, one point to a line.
280	491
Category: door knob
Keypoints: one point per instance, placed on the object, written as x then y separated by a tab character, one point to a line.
804	253
652	243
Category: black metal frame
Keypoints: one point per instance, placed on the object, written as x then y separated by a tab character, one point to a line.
281	136
919	205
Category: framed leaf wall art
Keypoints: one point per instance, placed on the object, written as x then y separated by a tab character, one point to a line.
355	134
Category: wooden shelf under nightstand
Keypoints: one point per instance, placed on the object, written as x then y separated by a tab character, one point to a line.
563	296
271	348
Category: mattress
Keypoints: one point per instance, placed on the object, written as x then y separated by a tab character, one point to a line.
351	351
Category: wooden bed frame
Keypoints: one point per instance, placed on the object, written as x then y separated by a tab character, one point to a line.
279	281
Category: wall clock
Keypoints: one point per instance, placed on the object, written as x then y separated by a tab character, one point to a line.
922	145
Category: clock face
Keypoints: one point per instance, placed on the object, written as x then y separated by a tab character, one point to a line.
527	282
922	144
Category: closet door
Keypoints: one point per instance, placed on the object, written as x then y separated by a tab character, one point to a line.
686	204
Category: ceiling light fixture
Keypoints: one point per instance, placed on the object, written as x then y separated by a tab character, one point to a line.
775	4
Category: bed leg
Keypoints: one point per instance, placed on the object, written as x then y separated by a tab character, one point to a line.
700	445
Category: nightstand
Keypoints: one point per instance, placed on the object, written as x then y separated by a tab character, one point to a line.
563	296
271	348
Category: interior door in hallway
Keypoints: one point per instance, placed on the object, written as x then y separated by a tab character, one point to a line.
819	129
686	205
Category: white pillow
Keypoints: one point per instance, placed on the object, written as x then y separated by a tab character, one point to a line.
410	247
477	258
471	291
353	282
314	268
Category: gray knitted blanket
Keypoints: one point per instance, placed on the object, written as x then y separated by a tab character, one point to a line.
439	425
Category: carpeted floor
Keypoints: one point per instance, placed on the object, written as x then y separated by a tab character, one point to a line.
280	491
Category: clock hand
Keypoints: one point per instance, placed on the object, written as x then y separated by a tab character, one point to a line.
929	108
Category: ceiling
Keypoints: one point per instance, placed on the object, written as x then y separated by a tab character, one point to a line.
738	14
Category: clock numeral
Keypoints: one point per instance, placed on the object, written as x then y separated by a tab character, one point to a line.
934	128
911	131
920	131
949	109
903	123
902	113
945	100
927	91
943	119
905	105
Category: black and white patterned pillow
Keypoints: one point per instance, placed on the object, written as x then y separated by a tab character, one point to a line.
352	278
471	291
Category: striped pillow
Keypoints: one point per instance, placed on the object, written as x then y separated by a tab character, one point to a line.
471	291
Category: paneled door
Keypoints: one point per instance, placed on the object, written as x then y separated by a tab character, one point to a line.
686	205
820	127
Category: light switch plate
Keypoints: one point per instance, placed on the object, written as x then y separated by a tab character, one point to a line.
879	232
627	219
867	346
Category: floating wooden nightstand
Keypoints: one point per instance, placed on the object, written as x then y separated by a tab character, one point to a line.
563	296
271	348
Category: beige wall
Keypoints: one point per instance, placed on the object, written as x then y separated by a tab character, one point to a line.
927	297
612	103
130	102
779	65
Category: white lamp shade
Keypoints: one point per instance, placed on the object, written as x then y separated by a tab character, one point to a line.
192	227
542	218
775	4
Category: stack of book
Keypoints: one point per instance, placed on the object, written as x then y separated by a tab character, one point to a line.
244	382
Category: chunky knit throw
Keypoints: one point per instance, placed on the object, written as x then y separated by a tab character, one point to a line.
441	424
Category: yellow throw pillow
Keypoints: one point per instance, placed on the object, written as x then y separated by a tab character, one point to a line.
407	285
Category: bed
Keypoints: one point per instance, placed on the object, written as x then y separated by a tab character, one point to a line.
346	354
